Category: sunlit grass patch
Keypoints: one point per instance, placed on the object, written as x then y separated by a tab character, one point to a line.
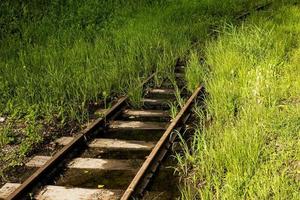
251	147
194	72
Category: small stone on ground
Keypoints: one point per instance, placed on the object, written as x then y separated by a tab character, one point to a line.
2	119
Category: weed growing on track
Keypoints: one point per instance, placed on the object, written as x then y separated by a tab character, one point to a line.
251	148
194	74
57	57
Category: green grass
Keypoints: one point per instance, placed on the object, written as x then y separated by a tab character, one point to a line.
247	146
57	57
193	73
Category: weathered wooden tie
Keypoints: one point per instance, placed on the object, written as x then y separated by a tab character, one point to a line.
134	125
90	163
112	144
155	102
180	69
121	144
52	192
161	91
179	75
145	113
7	189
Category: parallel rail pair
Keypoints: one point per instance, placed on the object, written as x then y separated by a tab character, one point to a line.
54	165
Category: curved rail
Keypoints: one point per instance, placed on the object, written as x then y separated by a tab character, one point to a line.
146	165
65	152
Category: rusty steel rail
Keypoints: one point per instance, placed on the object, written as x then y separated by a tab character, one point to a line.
257	8
165	137
65	152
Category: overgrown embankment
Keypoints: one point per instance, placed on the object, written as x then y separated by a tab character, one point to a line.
248	144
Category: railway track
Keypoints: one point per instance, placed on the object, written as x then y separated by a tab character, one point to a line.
114	158
118	155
